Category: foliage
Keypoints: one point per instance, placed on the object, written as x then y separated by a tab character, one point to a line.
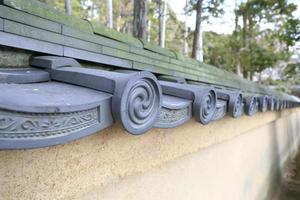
251	46
210	8
218	50
290	32
292	73
174	39
77	6
261	48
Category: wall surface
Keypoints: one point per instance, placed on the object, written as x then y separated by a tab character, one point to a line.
227	159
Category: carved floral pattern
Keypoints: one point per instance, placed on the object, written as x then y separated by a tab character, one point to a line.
23	125
220	111
173	115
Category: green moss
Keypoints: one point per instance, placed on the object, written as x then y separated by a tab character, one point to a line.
94	37
40	9
158	49
25	18
150	54
97	39
31	32
113	34
126	55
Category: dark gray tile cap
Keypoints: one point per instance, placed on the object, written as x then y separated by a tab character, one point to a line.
23	75
53	62
50	97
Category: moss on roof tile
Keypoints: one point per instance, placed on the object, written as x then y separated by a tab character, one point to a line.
149	54
72	32
113	34
40	34
43	10
26	18
158	49
48	24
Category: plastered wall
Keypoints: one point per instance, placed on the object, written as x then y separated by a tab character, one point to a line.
227	159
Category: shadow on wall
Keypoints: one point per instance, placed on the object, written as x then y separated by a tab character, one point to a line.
282	155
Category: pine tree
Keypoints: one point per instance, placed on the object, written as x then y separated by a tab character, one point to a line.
140	18
68	7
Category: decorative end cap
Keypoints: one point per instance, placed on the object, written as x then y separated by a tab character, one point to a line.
205	106
263	103
251	105
271	103
236	105
137	102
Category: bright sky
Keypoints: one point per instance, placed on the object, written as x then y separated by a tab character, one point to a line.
224	24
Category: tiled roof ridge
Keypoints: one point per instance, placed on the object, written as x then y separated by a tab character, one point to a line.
70	36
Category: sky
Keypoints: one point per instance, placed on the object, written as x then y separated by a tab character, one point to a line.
223	24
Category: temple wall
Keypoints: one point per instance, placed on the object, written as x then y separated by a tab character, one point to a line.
227	159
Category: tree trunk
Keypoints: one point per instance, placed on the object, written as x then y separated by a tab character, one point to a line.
140	19
249	76
118	27
93	11
149	31
197	34
149	24
162	22
68	7
245	74
245	31
201	46
109	14
186	34
260	78
238	68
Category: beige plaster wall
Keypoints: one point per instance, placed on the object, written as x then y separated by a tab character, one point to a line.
228	159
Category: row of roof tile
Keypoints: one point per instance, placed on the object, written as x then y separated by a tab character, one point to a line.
36	20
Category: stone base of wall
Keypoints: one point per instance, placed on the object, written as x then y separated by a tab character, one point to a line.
228	159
